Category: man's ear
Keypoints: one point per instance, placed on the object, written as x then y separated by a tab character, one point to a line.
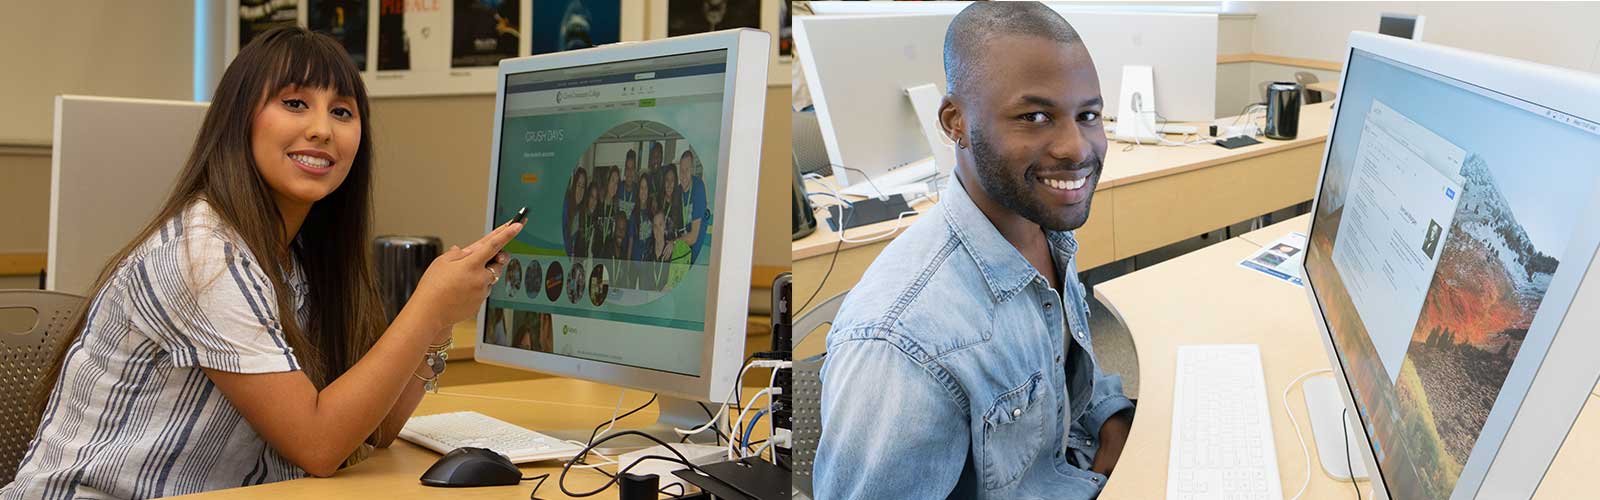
951	120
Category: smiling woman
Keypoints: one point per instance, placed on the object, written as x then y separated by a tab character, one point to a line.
239	338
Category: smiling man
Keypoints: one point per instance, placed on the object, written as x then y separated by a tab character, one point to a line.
960	366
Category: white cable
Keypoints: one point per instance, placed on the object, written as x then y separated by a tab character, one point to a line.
739	423
715	418
1303	450
609	425
605	460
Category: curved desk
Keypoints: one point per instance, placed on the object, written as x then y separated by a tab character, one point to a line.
1204	297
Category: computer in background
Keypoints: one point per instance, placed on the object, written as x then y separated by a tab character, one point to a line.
876	81
1447	263
638	164
1407	26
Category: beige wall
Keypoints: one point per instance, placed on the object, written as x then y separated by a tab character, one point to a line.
1556	33
91	47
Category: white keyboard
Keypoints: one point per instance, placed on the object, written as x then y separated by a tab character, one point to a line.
448	431
1221	434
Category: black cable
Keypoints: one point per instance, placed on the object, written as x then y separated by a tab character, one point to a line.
1349	468
540	478
681	490
620	417
565	466
709	417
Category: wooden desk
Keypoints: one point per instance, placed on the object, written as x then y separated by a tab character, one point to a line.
545	403
1269	234
1147	198
1205	298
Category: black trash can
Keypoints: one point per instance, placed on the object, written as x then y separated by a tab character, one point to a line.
400	262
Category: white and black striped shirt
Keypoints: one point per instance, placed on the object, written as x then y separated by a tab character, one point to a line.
133	415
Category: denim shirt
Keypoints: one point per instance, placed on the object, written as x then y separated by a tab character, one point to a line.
952	373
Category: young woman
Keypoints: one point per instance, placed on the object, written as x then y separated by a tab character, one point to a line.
574	213
239	338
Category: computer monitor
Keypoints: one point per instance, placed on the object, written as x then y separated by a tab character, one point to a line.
1453	232
861	71
644	286
1407	26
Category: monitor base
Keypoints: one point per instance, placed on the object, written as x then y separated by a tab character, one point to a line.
1326	408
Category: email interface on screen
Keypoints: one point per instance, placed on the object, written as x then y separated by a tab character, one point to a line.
1446	211
617	164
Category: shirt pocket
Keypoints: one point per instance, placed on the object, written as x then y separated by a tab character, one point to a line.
1013	431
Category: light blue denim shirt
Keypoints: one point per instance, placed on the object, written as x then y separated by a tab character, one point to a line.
954	371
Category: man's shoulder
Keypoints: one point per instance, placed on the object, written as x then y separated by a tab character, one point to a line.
923	293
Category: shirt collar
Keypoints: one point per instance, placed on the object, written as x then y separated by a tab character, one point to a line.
1004	269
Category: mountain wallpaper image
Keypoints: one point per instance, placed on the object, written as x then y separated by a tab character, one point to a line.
1488	284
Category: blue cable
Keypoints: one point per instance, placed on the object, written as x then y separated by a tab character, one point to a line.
745	442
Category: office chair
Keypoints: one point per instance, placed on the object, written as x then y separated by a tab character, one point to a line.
1306	79
25	357
807	389
810	155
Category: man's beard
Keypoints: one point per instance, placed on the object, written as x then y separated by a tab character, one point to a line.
1013	191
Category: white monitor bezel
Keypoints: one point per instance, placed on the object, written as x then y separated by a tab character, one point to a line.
1567	373
732	243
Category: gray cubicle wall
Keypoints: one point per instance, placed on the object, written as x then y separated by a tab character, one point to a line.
112	163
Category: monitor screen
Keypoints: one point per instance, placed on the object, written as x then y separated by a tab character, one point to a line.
1446	212
617	165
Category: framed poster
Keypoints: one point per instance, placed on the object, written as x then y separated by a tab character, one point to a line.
560	25
686	17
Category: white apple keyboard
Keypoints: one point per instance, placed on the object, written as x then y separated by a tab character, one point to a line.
1222	444
447	431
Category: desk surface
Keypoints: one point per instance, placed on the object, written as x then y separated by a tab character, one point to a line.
541	404
1177	302
1122	168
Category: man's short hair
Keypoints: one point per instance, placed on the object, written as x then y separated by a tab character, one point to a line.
632	156
983	21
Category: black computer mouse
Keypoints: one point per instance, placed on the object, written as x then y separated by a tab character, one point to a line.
472	467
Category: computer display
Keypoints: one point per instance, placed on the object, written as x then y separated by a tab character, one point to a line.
615	163
1444	251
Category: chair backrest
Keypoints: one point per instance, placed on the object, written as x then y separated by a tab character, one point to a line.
807	390
25	357
1306	78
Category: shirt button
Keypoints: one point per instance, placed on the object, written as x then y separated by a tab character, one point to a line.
1058	359
1047	306
1078	334
1016	413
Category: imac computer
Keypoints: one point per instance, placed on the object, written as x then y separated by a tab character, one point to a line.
1450	266
876	81
638	164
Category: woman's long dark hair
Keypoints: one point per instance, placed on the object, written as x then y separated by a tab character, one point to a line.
345	309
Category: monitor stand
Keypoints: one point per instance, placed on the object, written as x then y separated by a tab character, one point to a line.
915	178
1326	407
675	413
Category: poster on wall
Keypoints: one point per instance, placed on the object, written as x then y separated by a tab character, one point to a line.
575	24
345	21
484	32
785	33
257	16
412	35
686	17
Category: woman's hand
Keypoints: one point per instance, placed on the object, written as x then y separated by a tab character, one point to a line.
456	284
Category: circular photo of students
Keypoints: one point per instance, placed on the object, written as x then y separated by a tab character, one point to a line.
552	281
513	275
599	285
638	194
575	282
531	279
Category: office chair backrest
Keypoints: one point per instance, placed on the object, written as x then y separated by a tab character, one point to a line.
25	357
809	152
1306	79
807	390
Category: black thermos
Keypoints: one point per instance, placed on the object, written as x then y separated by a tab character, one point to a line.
1283	110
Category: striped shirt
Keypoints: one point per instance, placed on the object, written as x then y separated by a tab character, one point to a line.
133	415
